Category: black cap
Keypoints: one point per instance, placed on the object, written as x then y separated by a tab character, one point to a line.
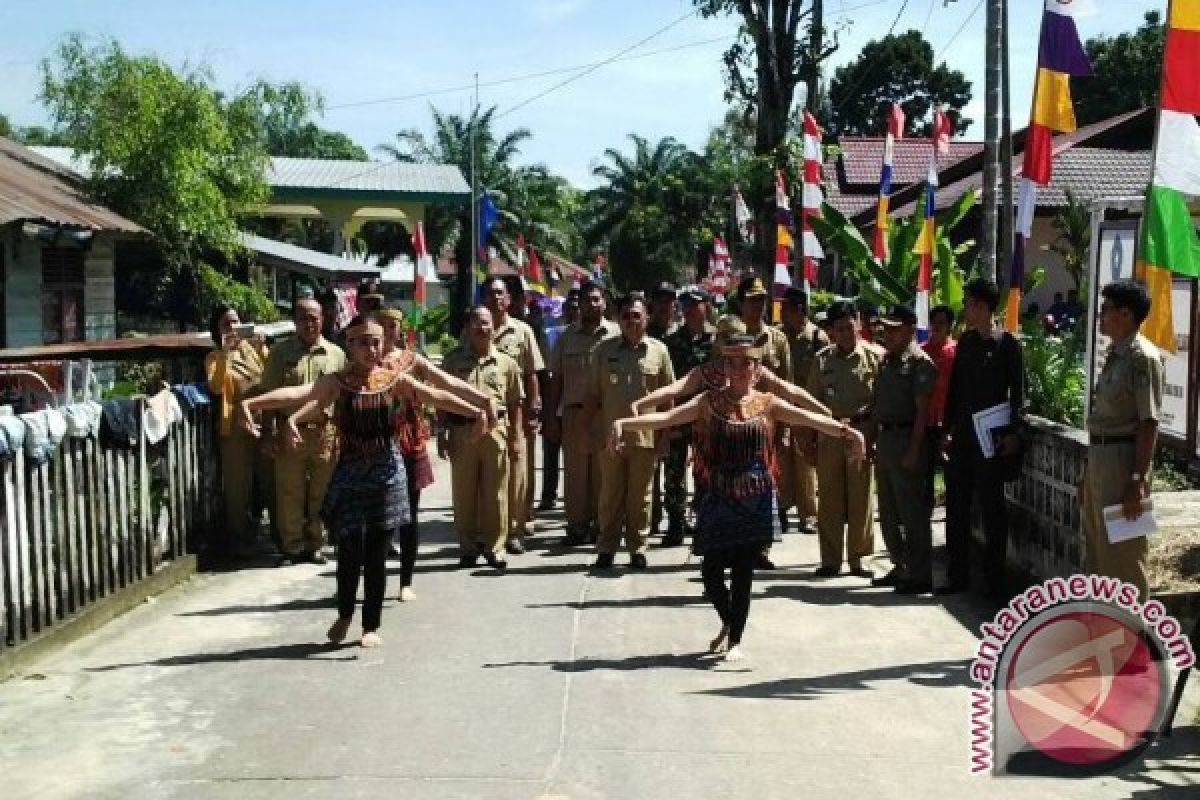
900	314
663	289
796	297
839	309
693	294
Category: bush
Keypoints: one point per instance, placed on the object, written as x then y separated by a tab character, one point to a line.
217	288
1055	379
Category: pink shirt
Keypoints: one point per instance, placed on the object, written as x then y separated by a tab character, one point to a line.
943	359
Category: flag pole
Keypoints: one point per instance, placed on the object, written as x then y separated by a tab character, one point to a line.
1006	152
474	198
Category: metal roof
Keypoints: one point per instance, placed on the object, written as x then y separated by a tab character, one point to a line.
295	177
36	189
301	259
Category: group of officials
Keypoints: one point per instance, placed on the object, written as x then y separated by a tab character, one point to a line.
914	403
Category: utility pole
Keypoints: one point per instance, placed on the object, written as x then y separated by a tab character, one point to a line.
474	198
993	74
816	42
1006	155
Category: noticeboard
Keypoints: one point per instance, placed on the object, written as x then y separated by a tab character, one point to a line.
1116	249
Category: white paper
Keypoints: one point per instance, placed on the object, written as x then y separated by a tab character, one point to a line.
987	421
1120	529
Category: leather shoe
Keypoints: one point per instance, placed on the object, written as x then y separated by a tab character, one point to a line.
890	579
673	539
603	561
514	546
494	561
949	589
826	572
638	561
315	557
764	562
859	571
468	561
573	539
545	505
914	587
286	560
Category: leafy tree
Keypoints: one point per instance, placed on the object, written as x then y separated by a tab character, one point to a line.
5	126
1127	69
896	69
165	151
37	135
285	112
781	44
1074	228
895	280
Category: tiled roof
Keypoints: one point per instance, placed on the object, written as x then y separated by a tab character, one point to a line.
861	158
36	189
372	176
331	174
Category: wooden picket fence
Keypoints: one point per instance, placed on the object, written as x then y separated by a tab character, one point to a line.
94	520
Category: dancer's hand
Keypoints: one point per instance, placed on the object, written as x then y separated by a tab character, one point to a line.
246	420
292	437
616	438
856	446
481	426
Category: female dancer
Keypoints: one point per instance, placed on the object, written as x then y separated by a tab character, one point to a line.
734	427
368	496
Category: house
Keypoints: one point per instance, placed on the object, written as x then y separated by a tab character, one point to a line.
56	253
346	194
1105	159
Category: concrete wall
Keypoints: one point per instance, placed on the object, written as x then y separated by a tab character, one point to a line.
1038	253
23	289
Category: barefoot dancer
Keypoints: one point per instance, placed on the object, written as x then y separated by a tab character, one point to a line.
368	496
733	432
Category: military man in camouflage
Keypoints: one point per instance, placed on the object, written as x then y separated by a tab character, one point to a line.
690	345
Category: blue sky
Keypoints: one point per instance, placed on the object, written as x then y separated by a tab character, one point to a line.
360	50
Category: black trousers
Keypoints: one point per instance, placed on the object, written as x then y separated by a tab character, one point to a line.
732	603
550	461
969	476
363	551
406	539
933	446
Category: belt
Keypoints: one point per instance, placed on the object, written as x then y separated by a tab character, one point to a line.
1121	438
895	426
455	420
313	426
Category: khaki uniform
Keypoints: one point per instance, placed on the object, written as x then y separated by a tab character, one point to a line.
626	373
302	475
480	468
583	431
798	469
902	499
845	383
517	341
1128	391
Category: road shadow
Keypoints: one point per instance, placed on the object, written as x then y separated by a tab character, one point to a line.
296	651
822	595
693	661
934	674
654	601
312	604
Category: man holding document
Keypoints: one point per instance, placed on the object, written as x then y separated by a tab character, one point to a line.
983	414
1122	429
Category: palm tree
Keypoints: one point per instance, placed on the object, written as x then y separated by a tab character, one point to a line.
1074	228
650	177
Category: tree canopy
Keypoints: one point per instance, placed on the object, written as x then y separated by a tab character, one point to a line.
895	69
1127	72
284	113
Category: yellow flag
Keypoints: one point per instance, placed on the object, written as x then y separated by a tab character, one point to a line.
1159	327
1052	105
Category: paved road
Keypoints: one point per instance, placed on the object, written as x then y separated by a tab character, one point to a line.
542	683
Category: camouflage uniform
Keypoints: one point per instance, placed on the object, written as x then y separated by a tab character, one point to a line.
687	352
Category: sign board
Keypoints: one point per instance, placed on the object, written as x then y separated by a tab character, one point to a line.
1117	244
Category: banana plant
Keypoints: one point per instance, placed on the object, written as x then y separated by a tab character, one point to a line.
895	279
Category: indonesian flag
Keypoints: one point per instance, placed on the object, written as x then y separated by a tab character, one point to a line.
783	234
718	266
942	129
535	269
1168	236
812	199
423	269
741	213
895	130
926	241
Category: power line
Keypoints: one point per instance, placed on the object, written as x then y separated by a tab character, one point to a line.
961	28
592	68
870	67
524	77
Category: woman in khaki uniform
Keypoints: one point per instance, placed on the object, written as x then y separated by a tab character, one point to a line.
234	370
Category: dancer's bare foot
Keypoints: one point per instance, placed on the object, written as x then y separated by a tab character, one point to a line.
371	639
717	645
735	653
337	631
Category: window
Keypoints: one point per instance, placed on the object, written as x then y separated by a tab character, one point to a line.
62	295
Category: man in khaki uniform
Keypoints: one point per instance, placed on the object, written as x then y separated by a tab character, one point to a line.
1122	429
628	367
480	468
843	377
302	475
902	458
572	365
797	460
516	340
